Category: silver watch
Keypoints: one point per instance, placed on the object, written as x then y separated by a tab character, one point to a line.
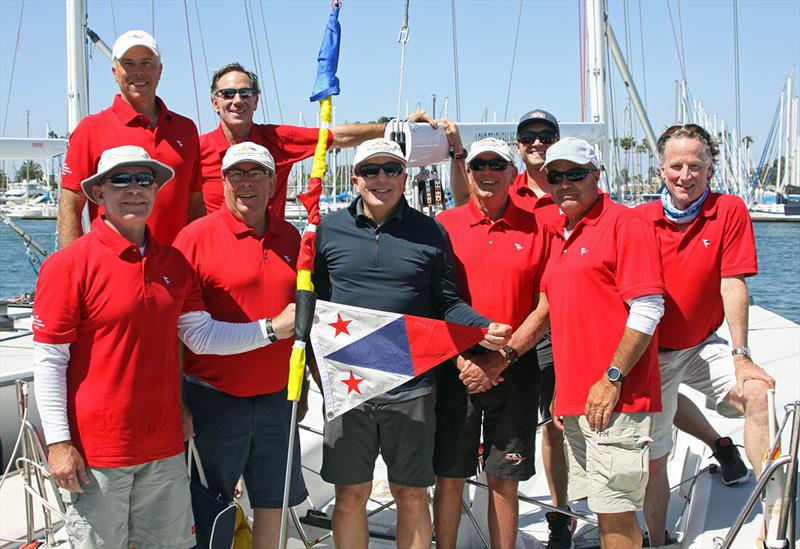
614	374
743	351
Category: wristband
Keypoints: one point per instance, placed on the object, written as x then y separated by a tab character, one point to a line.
270	332
457	155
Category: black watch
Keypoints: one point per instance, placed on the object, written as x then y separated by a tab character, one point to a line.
511	354
458	155
270	332
613	374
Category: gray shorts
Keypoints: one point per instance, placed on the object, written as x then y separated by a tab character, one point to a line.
609	467
146	506
403	433
708	368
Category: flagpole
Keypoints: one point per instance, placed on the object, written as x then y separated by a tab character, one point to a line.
325	86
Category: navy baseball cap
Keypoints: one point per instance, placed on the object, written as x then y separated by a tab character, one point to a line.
541	116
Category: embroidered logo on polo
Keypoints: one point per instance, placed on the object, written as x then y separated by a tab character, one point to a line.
166	279
584	251
706	242
179	143
518	246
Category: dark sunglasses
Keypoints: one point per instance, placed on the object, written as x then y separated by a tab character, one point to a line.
573	174
496	165
391	169
546	137
122	180
230	93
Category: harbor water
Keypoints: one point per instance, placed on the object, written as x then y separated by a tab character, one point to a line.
777	286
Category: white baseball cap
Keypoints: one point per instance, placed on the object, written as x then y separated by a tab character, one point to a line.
378	147
248	152
490	145
126	155
134	38
574	150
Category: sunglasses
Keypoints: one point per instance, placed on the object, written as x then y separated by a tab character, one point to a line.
546	137
496	165
391	169
237	176
573	174
122	180
230	93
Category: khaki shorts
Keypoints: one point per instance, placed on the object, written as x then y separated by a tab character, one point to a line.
147	506
609	467
707	368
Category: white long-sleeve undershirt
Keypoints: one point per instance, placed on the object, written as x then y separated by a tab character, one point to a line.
645	313
201	334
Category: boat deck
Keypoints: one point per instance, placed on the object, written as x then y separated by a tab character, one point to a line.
701	508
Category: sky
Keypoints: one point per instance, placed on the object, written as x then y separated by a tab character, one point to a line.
546	69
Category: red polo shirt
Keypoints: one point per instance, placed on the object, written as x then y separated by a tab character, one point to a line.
718	243
542	207
173	141
287	144
500	263
243	278
119	313
611	256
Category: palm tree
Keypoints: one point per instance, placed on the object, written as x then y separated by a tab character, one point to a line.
31	171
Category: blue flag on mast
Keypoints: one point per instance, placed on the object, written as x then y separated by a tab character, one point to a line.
327	83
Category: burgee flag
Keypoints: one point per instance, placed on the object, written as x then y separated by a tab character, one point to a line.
362	353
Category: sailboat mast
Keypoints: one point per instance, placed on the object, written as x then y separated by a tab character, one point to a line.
77	83
77	88
633	93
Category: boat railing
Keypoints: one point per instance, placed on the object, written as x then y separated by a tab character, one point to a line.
33	467
786	520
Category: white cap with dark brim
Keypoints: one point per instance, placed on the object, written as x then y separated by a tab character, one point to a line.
573	150
133	38
120	157
248	152
378	147
490	145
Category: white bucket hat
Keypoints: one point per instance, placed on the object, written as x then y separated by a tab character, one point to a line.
134	38
127	155
248	152
378	147
574	150
490	145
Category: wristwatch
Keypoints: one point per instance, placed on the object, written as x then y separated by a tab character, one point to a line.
511	354
458	155
613	374
270	332
743	351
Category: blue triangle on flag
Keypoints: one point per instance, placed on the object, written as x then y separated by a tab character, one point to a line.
386	349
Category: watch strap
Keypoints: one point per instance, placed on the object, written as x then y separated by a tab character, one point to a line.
458	155
743	351
270	331
511	354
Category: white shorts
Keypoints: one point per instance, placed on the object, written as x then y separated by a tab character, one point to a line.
706	367
147	506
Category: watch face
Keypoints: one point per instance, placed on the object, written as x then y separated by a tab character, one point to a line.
613	374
